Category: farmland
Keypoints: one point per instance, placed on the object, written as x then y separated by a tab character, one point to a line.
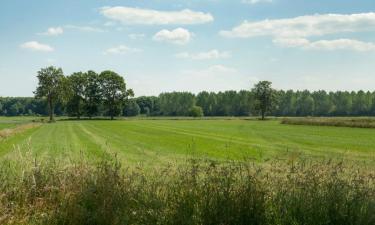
184	171
162	141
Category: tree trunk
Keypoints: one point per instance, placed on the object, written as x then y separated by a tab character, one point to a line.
263	114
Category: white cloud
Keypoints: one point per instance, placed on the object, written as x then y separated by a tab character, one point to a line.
121	49
294	32
305	26
36	46
128	15
179	36
136	36
212	54
330	45
256	1
84	28
53	31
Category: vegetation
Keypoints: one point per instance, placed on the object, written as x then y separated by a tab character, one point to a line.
229	103
51	86
160	141
264	97
337	122
299	192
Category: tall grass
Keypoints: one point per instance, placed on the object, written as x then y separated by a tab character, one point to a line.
360	122
199	192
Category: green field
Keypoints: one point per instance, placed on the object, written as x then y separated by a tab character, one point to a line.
154	141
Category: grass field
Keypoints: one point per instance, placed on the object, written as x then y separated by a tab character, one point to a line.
65	172
167	140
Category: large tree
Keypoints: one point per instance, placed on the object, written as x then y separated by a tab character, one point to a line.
51	86
77	87
92	94
265	97
114	93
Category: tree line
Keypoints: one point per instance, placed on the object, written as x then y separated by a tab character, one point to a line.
90	94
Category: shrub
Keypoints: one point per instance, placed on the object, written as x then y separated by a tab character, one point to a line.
196	111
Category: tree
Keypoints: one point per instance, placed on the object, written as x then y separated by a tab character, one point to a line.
77	85
265	97
113	89
196	111
322	102
131	108
305	104
92	94
51	86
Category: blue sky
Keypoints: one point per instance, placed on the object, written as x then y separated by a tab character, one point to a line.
191	45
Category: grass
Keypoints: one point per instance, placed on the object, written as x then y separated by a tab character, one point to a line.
162	141
39	191
158	171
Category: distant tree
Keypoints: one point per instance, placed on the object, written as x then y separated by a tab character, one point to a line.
265	97
323	105
176	103
77	86
305	104
131	108
113	89
196	111
342	103
51	86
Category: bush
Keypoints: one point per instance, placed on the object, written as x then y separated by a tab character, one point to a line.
196	111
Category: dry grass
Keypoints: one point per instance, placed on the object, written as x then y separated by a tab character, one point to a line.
6	133
337	122
296	192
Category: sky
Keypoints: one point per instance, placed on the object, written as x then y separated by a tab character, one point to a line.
191	45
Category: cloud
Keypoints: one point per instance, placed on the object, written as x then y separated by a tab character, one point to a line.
53	31
36	46
305	26
84	28
212	54
294	32
179	36
121	50
128	15
256	1
136	36
330	45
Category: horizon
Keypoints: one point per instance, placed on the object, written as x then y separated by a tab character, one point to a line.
210	45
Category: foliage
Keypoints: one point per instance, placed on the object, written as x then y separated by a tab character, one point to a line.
51	86
265	97
131	108
196	111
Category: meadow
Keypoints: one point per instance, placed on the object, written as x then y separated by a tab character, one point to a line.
162	141
185	171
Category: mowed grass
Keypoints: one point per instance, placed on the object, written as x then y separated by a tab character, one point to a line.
164	141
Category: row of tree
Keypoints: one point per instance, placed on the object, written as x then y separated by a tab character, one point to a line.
91	94
228	103
82	94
